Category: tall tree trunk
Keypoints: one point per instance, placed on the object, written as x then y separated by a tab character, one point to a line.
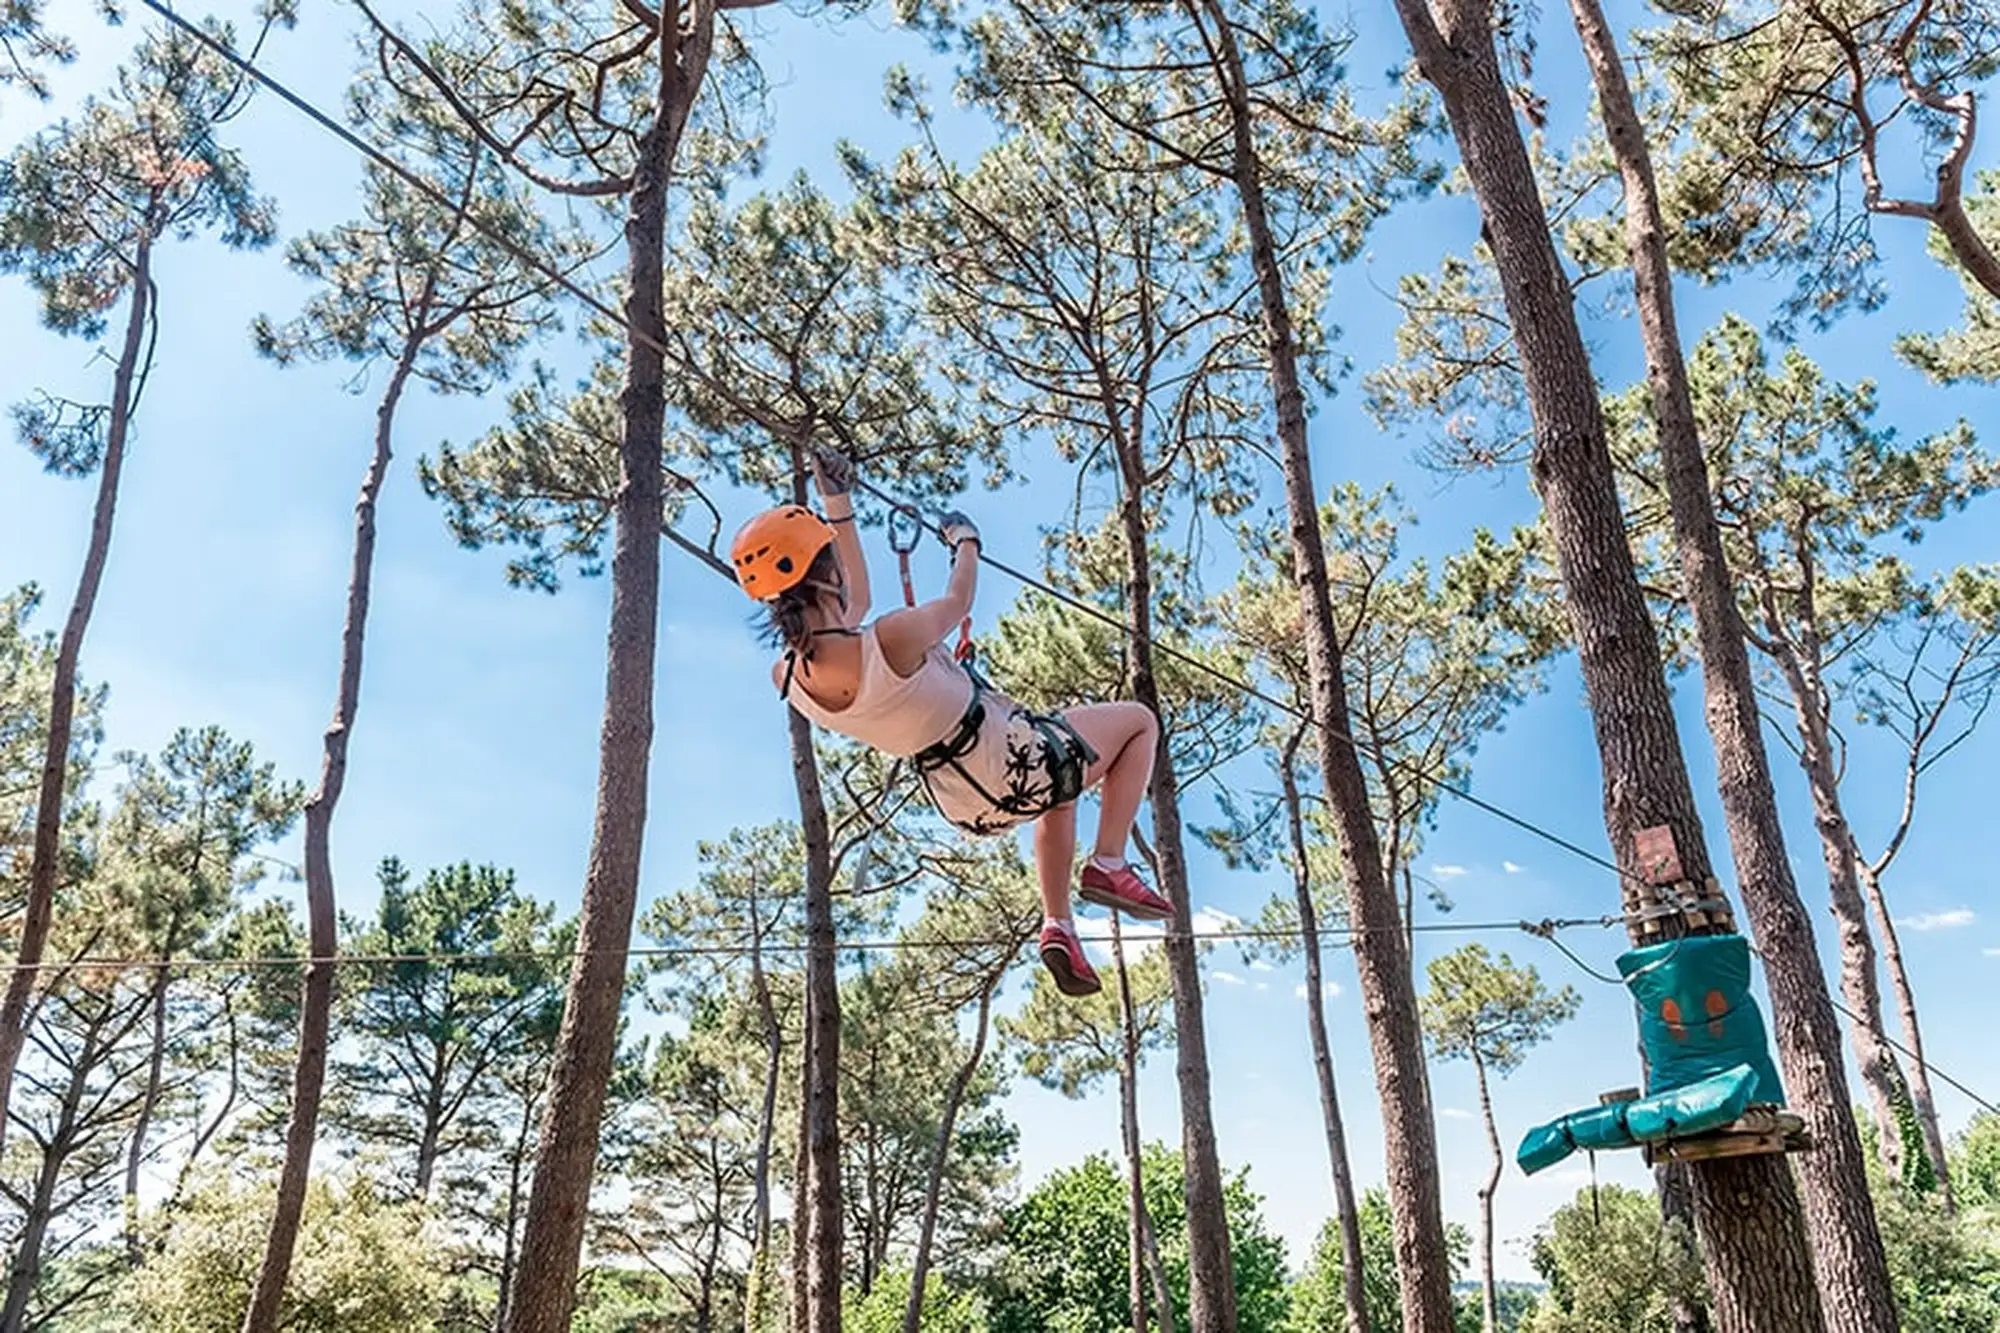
24	1272
1381	954
231	1091
433	1132
559	1201
44	867
1913	1036
920	1264
1211	1283
1670	1181
757	1282
1874	1060
1354	1287
1846	1243
1139	1238
1759	1265
316	1000
149	1100
1489	1293
800	1164
1968	246
821	1146
517	1162
1156	1268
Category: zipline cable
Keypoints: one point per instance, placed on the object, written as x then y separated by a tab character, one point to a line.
899	944
546	269
542	266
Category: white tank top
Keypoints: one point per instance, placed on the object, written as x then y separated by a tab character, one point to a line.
895	714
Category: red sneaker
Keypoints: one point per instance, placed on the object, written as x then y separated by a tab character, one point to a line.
1062	954
1122	890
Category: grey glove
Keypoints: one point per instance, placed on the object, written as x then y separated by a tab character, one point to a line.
955	528
832	470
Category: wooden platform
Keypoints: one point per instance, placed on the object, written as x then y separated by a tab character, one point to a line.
1762	1130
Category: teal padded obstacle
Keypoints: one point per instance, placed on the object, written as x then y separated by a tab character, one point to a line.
1707	1053
1677	1113
1696	1014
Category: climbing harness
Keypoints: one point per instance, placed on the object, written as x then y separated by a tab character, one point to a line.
1034	741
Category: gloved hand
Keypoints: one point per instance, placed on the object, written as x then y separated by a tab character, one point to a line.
833	471
955	528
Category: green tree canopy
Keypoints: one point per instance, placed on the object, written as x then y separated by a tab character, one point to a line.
1065	1262
363	1265
1611	1263
1317	1305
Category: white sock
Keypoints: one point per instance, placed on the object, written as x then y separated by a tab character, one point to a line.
1108	862
1067	923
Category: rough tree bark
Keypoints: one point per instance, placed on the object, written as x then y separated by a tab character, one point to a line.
1354	1289
1670	1182
1143	1253
818	1267
1489	1291
44	866
1760	1269
1381	954
1852	1268
149	1100
758	1279
1875	1061
517	1160
1913	1034
800	1164
1211	1283
316	998
559	1197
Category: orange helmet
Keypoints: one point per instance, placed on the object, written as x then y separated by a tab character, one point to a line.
773	551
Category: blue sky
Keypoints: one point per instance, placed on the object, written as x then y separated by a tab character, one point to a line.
478	730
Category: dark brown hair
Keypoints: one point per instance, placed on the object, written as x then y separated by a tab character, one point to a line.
785	615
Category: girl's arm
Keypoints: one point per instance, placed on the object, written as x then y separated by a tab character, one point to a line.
853	564
906	635
834	475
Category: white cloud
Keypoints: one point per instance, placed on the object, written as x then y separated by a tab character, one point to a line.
1455	1113
1327	989
1956	918
1447	872
1209	921
1140	937
1263	985
1991	953
1259	965
1512	868
1229	978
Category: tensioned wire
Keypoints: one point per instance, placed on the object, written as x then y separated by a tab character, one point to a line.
546	269
562	280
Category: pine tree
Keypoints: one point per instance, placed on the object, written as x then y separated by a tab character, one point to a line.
428	292
623	140
82	207
1759	1263
1490	1012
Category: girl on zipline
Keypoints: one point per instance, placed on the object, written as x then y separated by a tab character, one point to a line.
988	763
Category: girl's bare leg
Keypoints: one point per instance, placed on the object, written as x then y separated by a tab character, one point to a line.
1126	737
1055	855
